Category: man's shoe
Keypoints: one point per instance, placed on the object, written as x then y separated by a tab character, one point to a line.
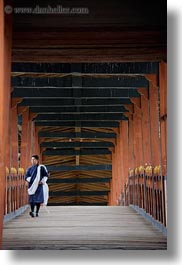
31	214
37	214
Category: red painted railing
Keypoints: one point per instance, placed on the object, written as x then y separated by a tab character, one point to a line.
146	188
15	190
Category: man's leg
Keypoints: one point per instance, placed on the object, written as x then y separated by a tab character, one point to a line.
38	207
32	206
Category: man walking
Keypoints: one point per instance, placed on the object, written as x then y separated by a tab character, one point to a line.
37	176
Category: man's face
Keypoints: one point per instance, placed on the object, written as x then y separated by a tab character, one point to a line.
34	161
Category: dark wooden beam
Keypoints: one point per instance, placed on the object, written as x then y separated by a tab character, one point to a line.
115	14
78	168
88	68
134	81
77	144
91	54
83	135
81	117
78	180
47	92
42	102
83	124
78	193
72	110
72	152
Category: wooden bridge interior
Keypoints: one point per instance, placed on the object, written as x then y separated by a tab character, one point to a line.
87	92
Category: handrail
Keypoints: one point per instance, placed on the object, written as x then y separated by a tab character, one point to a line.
146	189
15	191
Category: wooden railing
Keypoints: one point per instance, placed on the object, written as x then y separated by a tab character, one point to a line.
15	190
146	188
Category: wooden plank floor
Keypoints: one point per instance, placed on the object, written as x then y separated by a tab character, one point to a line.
82	227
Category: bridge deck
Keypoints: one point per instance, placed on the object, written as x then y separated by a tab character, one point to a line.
82	227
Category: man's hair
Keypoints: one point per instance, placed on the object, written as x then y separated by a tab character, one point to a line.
36	157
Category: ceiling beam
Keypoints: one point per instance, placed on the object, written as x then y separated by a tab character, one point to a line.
77	144
80	167
134	81
78	180
83	124
52	102
72	152
88	68
91	54
50	92
83	135
81	117
82	109
79	193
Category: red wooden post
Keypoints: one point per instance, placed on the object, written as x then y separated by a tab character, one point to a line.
5	69
154	118
119	168
130	141
31	138
14	137
163	114
124	152
24	138
163	130
145	126
137	129
113	187
37	146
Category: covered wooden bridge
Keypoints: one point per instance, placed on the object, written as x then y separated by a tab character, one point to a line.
89	96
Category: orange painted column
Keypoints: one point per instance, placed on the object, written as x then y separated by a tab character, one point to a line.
112	182
154	119
31	138
163	114
137	132
124	152
114	177
24	137
5	78
130	141
145	126
119	168
14	137
37	145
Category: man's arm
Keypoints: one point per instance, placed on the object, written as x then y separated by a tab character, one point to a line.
44	174
28	175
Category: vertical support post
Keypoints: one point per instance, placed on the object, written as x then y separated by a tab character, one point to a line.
155	129
123	141
163	130
24	138
119	175
114	177
129	202
5	78
137	128
37	146
130	140
145	125
154	118
14	136
31	139
163	113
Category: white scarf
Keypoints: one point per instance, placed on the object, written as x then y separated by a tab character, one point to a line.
35	184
